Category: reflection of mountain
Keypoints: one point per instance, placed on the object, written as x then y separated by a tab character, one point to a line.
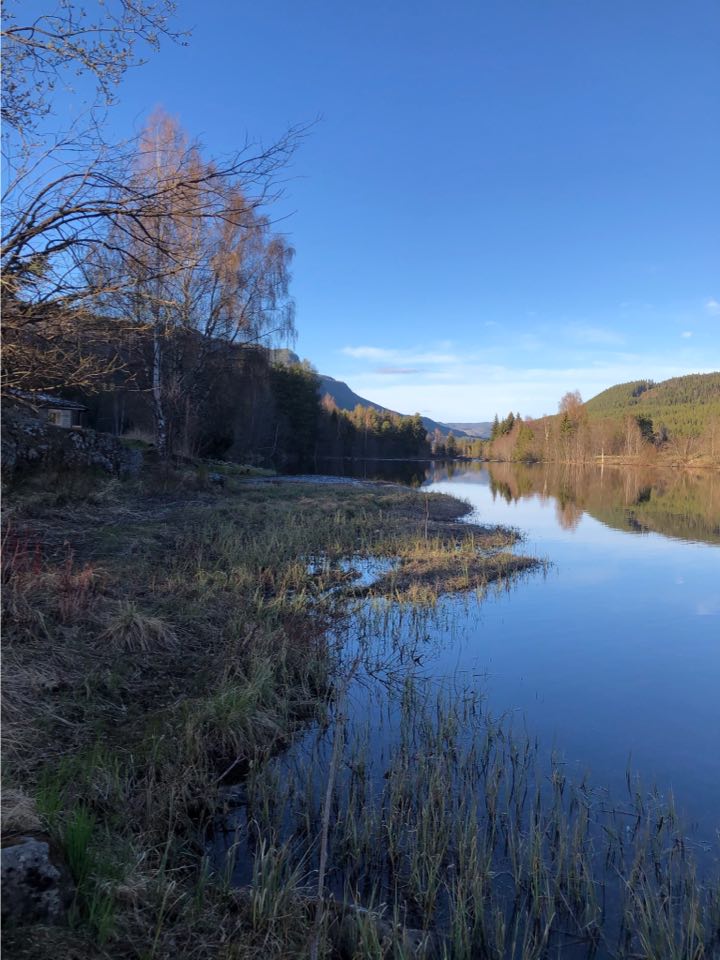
673	503
459	471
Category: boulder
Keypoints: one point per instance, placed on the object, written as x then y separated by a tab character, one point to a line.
18	812
36	884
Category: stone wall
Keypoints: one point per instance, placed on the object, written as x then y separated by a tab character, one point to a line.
29	444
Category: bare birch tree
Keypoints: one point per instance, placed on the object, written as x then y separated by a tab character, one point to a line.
71	199
198	271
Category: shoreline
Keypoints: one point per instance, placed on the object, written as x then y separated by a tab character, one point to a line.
161	633
169	638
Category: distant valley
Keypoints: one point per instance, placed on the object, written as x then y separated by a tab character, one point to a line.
481	431
347	399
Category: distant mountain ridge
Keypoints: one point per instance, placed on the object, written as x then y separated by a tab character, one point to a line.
479	430
347	399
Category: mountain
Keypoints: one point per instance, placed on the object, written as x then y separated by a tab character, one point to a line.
683	405
347	399
479	430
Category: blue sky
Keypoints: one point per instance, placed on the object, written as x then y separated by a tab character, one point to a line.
501	200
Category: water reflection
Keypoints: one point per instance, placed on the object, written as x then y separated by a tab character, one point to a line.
675	503
608	662
411	473
682	504
616	652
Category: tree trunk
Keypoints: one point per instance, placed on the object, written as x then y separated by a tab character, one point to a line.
157	394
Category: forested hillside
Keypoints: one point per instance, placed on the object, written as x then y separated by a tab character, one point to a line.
683	405
347	399
676	420
253	406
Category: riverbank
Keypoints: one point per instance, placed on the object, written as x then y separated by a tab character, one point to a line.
659	461
166	635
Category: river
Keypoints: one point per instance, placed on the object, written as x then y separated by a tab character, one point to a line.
603	666
615	653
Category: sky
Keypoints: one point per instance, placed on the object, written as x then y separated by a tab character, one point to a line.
498	200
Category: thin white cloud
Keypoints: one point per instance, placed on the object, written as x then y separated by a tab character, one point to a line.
432	358
401	357
585	334
396	371
530	342
713	307
482	378
474	390
369	353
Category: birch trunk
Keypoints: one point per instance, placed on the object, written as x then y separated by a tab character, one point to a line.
157	394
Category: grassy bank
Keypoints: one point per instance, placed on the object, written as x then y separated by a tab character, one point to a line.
161	638
166	640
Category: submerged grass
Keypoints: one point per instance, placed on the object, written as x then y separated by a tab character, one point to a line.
462	843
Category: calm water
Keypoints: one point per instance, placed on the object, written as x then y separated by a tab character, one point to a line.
613	655
608	657
616	651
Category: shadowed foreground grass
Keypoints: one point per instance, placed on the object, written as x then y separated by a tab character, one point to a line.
161	638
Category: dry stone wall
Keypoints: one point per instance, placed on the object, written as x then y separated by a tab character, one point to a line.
29	444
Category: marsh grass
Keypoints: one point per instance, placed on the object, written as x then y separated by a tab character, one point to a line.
464	835
161	639
131	631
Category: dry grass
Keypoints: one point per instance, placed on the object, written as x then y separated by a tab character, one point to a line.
19	812
159	638
424	578
167	638
131	631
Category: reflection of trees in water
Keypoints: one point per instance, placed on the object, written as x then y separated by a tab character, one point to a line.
676	503
502	489
408	472
439	470
568	514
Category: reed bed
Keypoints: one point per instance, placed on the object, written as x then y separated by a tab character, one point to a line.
161	639
462	842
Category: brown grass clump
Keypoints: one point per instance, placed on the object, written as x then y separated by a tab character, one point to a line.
424	579
18	811
132	631
437	555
